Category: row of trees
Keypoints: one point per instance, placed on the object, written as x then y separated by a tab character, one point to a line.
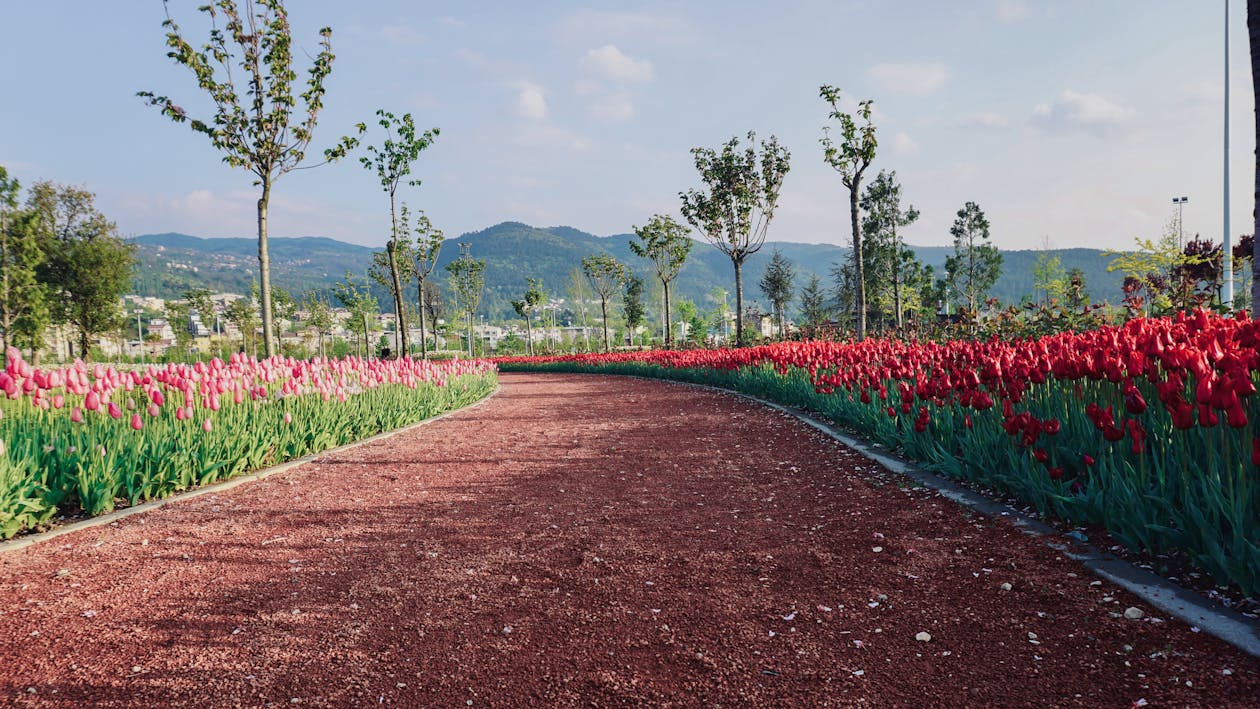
61	263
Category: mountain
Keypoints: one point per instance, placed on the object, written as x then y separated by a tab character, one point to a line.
172	263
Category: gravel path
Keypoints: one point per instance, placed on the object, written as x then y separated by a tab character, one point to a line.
583	540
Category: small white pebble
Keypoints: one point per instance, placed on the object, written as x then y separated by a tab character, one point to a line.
1133	613
923	637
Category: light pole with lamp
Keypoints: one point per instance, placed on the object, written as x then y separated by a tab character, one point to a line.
1181	232
1227	252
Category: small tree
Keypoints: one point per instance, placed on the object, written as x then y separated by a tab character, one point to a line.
468	279
881	230
776	285
1076	295
850	158
22	296
179	314
424	254
356	297
392	163
260	133
88	267
202	304
1050	279
605	274
734	213
813	302
1151	267
578	297
533	299
382	272
975	264
320	317
244	315
632	304
434	308
664	242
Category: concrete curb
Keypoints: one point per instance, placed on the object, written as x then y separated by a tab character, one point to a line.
1182	603
108	518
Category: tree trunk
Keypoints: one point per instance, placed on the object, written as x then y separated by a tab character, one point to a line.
529	335
603	310
470	335
424	345
264	270
400	322
83	344
366	351
669	327
857	258
739	302
433	324
1253	33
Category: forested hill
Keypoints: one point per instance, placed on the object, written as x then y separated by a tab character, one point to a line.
172	263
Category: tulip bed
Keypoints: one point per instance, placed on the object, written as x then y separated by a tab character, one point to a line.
1149	429
82	439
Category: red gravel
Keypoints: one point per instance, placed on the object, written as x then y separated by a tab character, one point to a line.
586	540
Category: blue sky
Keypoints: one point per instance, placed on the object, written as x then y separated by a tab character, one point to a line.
1068	121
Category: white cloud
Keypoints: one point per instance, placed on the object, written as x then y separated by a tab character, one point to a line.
903	144
910	77
1012	10
1072	111
453	22
547	135
401	34
613	107
611	63
986	120
531	103
613	26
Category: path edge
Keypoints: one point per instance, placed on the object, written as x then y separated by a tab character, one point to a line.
19	543
1182	603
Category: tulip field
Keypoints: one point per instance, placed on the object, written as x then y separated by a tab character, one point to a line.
85	438
1151	429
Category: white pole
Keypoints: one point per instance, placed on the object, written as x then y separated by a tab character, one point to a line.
1227	251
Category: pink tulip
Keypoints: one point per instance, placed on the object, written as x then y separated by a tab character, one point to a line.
154	410
136	422
288	417
58	401
114	411
206	426
76	415
92	402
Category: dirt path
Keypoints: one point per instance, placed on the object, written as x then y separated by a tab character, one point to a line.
585	540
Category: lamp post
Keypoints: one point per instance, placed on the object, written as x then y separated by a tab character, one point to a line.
1181	203
1227	252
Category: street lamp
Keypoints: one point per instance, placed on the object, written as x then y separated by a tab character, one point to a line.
1227	251
1181	233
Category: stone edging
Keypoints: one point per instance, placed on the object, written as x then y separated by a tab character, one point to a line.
25	541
